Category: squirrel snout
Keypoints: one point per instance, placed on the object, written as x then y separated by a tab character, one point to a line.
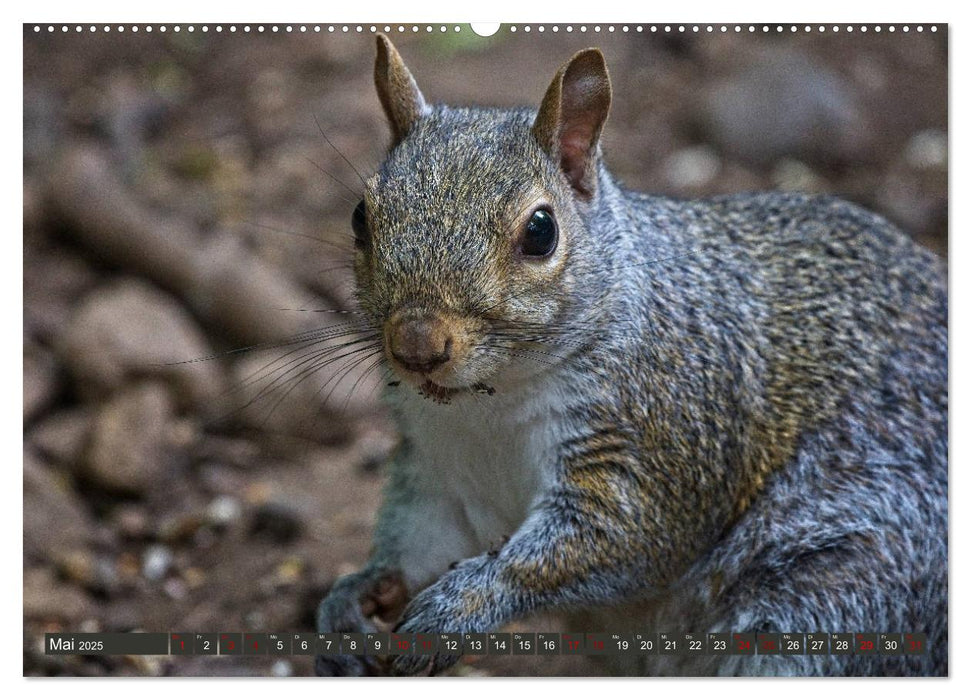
421	344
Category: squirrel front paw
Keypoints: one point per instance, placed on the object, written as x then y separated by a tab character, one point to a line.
352	605
457	602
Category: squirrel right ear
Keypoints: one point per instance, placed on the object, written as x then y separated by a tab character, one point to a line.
399	94
571	117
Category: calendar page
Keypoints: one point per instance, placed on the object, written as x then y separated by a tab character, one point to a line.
524	349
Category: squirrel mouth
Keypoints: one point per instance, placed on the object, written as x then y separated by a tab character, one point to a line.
443	394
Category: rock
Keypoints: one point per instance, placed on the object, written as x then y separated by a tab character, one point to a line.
134	330
180	528
795	176
175	589
62	437
785	104
156	561
281	669
129	450
46	598
132	522
927	149
40	380
223	511
277	521
55	521
691	168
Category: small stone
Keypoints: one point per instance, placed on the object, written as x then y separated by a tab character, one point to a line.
927	149
46	598
90	626
282	669
289	571
48	498
156	561
175	588
145	665
132	522
128	567
795	176
194	577
180	528
129	452
692	167
62	437
254	620
77	567
258	493
40	380
134	329
223	511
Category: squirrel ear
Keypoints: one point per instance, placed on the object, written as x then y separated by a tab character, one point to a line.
572	115
399	94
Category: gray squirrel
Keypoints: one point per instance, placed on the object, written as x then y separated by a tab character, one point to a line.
649	414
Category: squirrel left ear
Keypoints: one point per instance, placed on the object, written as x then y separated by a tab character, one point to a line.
399	94
571	117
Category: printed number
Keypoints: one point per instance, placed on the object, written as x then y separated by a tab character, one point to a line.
525	644
501	644
377	645
623	645
303	645
452	645
842	645
549	645
670	644
279	645
866	645
353	645
205	644
891	644
720	645
694	645
476	645
792	645
647	645
817	644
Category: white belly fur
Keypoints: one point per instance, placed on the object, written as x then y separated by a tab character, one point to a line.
483	462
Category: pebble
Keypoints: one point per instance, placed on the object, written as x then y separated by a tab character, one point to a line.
129	451
63	436
785	103
175	588
180	527
135	330
795	176
40	380
927	149
692	167
282	669
156	561
132	521
223	511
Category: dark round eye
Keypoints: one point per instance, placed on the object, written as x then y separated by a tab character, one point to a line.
359	223
539	239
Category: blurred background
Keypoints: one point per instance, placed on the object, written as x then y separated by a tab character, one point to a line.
185	219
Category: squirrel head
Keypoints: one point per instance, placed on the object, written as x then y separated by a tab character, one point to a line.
474	234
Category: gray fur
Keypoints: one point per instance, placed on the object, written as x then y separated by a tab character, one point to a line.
744	401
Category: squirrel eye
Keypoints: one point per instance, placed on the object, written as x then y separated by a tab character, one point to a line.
540	237
359	223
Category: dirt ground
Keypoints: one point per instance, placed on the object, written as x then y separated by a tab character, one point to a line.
187	200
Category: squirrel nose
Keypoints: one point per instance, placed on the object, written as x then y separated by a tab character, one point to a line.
421	344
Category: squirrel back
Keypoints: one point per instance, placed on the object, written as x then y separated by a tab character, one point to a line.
728	413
